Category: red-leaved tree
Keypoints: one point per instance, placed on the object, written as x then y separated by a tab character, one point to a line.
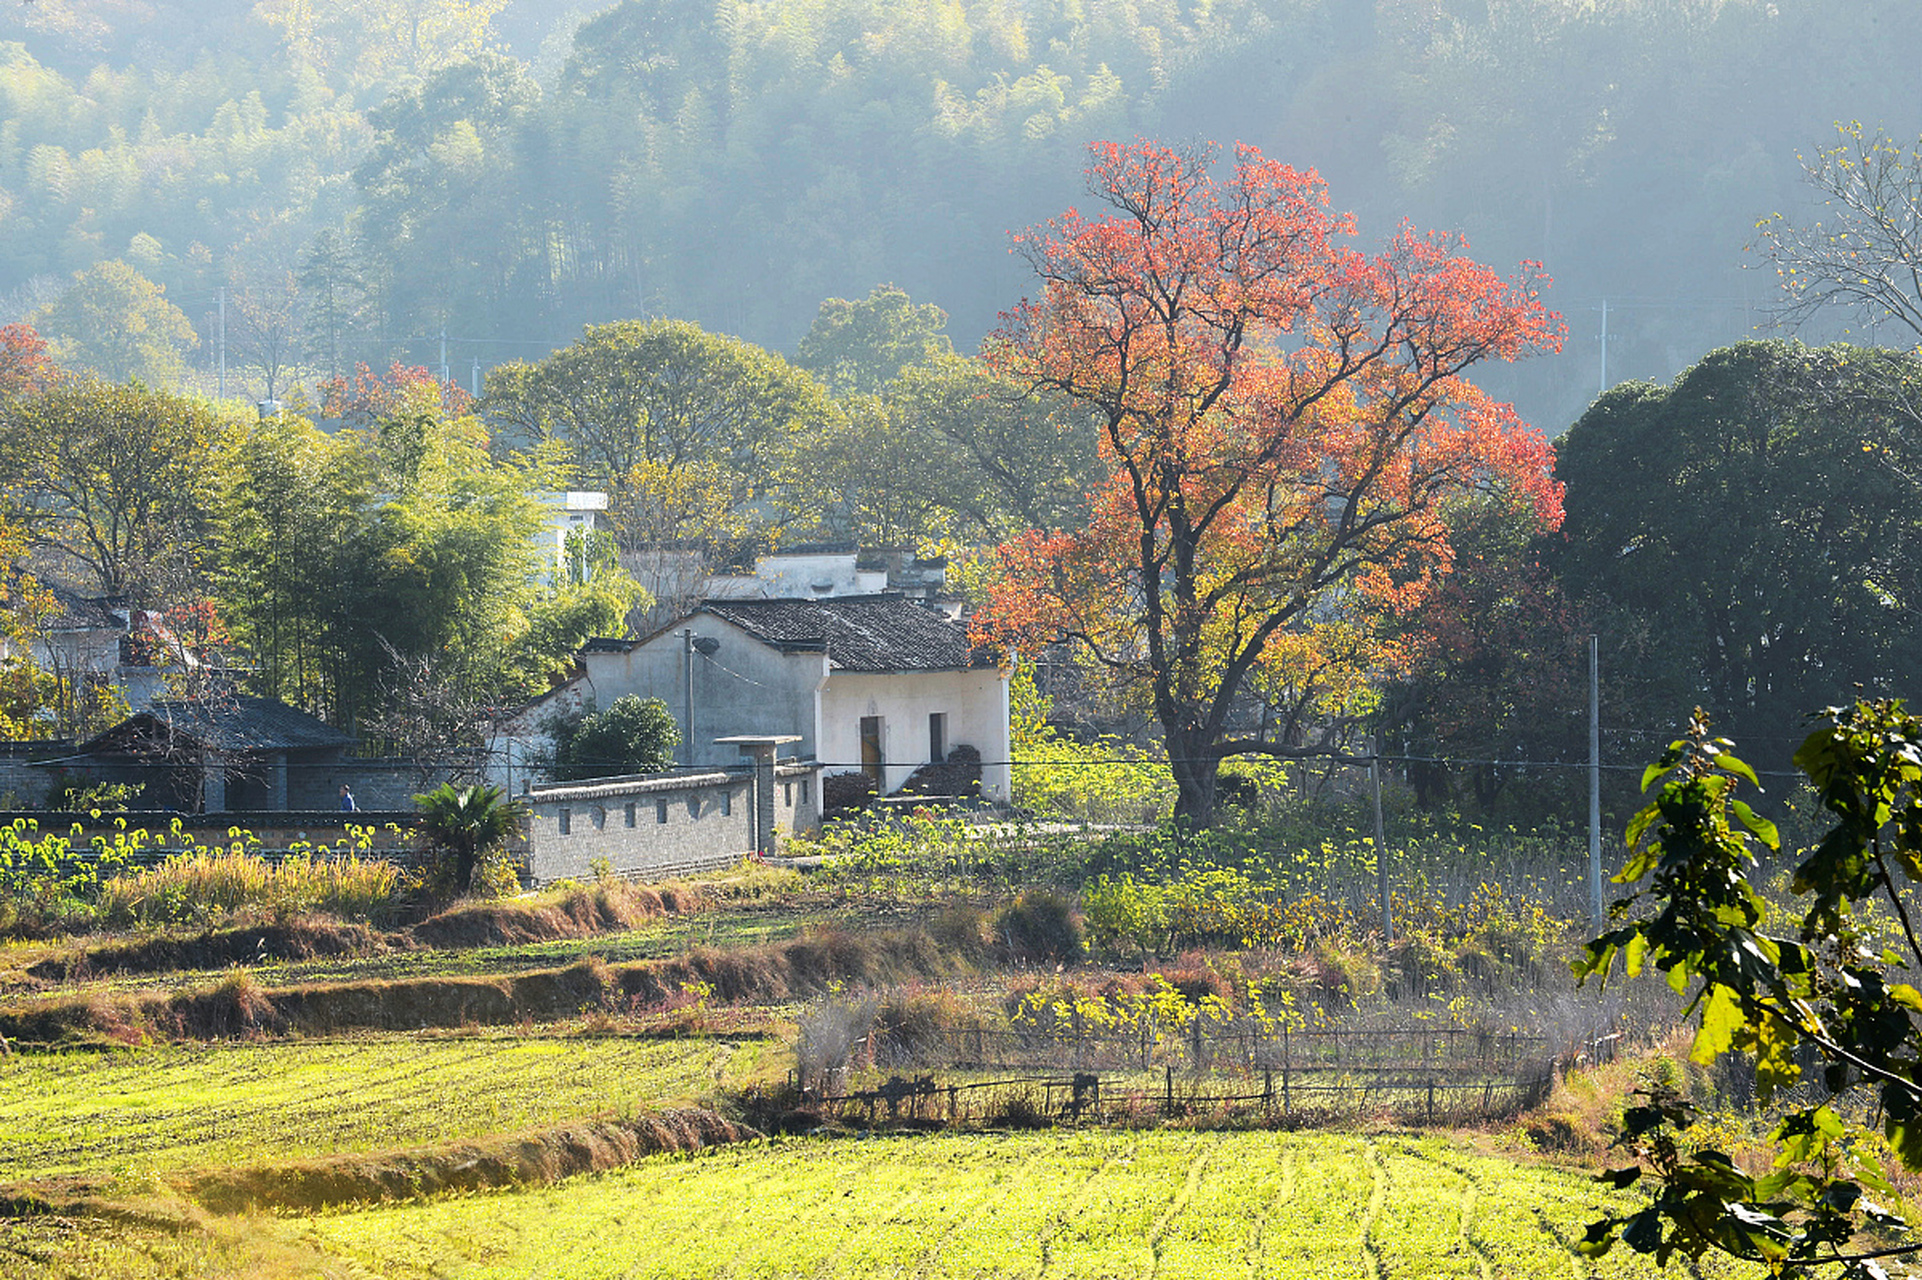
1283	419
24	366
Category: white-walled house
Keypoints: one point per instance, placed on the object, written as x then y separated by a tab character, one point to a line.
876	683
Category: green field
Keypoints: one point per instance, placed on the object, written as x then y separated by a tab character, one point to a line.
1079	1204
179	1106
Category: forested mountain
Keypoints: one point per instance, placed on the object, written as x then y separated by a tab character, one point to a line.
358	177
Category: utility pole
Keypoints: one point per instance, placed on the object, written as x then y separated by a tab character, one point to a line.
1595	781
220	386
1604	345
687	693
443	355
1381	852
476	377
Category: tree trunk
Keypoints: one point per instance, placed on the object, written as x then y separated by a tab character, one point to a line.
1195	767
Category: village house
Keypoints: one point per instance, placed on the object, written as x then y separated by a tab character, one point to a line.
879	684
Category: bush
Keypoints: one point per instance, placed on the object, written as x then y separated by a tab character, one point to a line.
1039	926
633	735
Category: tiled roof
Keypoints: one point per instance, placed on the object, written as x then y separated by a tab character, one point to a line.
83	613
860	633
234	723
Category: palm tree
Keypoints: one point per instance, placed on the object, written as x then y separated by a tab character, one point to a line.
467	822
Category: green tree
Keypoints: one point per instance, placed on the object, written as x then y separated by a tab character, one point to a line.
1828	998
336	294
1755	529
655	408
468	824
392	567
859	347
118	323
631	736
123	480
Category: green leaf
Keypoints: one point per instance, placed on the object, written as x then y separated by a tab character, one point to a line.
1764	830
1729	764
1721	1020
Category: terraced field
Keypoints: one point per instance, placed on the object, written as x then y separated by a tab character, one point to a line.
1084	1204
170	1107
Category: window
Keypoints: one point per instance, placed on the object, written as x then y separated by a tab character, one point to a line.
630	814
787	795
727	803
804	791
872	761
660	811
566	820
599	815
937	737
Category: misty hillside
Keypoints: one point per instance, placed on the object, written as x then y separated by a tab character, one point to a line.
505	172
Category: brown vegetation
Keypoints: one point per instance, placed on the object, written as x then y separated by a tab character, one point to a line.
237	1005
531	1158
577	913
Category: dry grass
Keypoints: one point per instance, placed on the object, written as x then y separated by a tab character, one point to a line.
211	884
572	911
784	971
525	1159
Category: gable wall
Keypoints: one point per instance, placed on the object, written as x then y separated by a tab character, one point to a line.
975	702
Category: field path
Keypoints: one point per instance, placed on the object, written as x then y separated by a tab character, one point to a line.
1258	1263
1182	1200
1377	1198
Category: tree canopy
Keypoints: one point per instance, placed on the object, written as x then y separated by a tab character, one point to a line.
1282	419
1763	516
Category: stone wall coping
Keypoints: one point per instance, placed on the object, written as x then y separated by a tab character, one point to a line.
633	784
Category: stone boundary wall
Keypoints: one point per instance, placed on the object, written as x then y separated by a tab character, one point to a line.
647	827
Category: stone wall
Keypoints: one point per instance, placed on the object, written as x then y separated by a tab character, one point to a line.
652	827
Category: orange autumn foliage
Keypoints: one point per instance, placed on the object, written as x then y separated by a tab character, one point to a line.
1283	418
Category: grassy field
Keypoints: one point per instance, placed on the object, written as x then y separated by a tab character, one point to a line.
1083	1204
170	1107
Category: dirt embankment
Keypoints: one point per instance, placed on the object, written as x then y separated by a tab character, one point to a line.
238	1005
524	1159
583	913
531	1158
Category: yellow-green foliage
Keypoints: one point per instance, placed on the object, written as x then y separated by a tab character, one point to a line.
1106	780
209	884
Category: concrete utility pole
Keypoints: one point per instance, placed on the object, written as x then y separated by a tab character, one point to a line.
1381	853
443	357
220	385
1604	344
1595	781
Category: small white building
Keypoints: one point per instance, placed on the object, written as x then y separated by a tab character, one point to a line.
878	684
563	514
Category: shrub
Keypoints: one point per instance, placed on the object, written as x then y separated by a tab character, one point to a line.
633	735
1038	926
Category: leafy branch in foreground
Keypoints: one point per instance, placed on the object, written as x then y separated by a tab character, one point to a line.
1828	996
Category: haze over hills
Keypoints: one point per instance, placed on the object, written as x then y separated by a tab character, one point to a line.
504	172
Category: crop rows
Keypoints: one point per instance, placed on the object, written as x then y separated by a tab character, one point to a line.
1170	1205
179	1106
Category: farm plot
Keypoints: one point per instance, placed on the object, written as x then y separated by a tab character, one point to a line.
1080	1204
171	1107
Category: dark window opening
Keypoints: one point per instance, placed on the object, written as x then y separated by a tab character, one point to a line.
872	762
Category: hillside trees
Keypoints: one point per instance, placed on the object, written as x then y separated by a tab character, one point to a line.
1758	518
119	324
1282	420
